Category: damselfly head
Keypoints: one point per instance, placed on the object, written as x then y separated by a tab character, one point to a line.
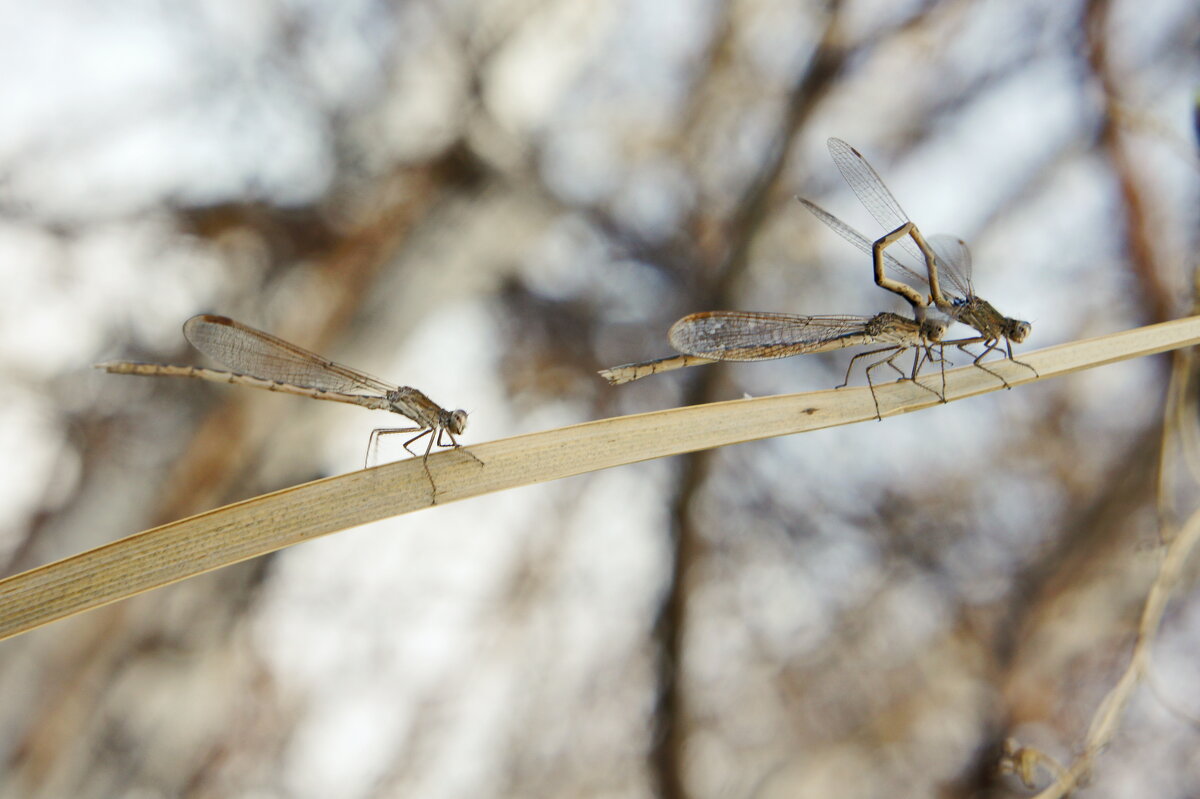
1015	330
933	330
455	421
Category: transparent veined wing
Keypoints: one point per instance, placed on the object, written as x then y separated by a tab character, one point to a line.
759	336
247	350
862	242
954	265
872	192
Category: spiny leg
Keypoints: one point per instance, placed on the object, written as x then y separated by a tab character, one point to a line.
920	355
942	359
896	351
424	431
373	441
871	383
455	445
988	346
849	368
428	431
992	345
1008	346
924	354
899	351
891	362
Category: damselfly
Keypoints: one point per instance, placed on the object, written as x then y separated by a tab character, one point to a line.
943	256
260	360
758	336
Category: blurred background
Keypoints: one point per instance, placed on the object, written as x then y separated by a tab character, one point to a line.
492	200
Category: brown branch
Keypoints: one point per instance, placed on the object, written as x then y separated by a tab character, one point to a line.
1155	294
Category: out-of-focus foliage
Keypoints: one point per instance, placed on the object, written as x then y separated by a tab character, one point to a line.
491	201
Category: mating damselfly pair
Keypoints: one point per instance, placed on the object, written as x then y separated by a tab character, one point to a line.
711	336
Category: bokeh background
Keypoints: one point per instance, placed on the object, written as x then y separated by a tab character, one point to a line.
492	200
